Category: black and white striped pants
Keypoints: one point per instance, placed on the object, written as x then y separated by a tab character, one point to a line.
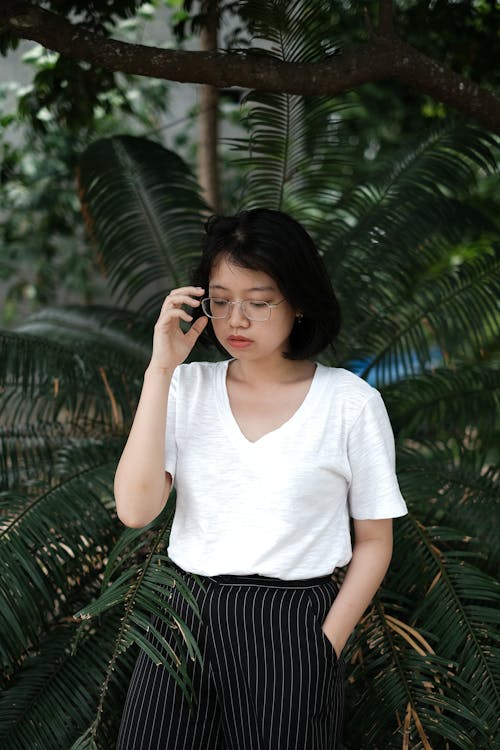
270	678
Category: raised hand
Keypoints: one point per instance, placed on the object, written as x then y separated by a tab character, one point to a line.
171	345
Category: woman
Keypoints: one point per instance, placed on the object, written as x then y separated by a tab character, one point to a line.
270	453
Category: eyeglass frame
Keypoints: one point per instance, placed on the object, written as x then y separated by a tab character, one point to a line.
240	302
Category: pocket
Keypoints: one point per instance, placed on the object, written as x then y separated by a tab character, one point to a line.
321	599
328	644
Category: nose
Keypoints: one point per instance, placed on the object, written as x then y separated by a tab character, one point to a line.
236	317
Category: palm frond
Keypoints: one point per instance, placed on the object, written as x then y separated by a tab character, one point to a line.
457	604
445	401
405	691
27	454
280	26
455	312
455	484
102	329
44	380
46	545
413	202
292	147
40	453
143	210
432	628
142	576
406	226
54	670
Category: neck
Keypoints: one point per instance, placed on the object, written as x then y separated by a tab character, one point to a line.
258	373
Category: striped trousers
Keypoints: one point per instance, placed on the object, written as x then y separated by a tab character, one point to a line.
270	678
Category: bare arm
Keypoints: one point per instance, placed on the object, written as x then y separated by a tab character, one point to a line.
371	556
142	485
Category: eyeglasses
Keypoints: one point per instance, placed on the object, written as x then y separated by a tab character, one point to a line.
214	307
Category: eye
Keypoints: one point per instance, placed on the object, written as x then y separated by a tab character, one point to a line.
257	305
220	303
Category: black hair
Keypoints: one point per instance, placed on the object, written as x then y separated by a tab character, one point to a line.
266	240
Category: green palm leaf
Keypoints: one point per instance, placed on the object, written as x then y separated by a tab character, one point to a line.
412	203
44	380
403	229
35	456
27	454
107	330
64	684
140	587
291	152
434	661
399	337
143	210
46	545
455	484
446	401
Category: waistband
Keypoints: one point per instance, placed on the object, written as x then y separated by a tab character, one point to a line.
258	579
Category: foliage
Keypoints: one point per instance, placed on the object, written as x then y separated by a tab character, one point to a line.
431	626
43	251
70	86
460	34
42	248
148	186
41	235
415	264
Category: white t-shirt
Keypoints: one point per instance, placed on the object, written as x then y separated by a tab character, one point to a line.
279	506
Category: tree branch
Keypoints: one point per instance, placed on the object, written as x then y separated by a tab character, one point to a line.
381	58
428	76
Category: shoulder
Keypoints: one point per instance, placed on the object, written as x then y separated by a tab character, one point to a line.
196	382
348	391
347	384
198	372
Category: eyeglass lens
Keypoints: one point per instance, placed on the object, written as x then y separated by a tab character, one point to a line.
220	308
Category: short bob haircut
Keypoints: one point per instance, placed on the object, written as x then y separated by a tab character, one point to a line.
271	241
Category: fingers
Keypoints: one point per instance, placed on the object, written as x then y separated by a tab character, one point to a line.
175	312
182	296
172	309
197	328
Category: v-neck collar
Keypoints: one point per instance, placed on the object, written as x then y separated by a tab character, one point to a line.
229	420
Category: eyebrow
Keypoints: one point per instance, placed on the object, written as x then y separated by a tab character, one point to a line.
252	289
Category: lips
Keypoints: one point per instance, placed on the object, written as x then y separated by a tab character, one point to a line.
238	342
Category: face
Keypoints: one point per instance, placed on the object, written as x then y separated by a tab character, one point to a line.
243	338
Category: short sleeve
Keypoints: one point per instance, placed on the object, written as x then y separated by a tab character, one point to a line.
374	490
170	427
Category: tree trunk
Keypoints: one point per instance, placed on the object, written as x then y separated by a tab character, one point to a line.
208	172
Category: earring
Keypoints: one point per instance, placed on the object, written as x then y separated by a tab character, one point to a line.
299	318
